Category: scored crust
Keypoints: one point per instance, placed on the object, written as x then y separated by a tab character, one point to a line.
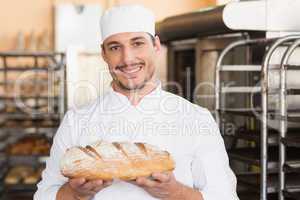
122	160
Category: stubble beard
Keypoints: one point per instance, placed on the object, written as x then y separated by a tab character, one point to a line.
135	88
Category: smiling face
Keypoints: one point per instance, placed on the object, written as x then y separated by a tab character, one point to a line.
132	58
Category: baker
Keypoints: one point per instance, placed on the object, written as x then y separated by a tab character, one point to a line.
136	109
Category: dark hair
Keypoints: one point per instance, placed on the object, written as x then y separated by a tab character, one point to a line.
152	38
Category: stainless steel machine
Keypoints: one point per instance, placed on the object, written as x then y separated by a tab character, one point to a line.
241	61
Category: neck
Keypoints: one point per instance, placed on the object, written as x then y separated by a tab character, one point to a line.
135	96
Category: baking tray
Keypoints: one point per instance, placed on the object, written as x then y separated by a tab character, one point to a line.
253	181
21	187
30	159
251	155
27	123
20	195
16	188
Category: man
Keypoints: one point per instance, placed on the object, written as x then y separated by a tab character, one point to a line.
136	109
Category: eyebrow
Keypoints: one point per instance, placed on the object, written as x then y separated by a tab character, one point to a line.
138	38
132	39
112	42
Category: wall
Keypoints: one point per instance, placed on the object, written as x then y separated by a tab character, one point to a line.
34	18
167	8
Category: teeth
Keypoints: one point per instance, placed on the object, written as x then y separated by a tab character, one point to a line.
131	70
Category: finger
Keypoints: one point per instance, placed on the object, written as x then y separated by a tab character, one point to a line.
90	185
100	183
97	183
99	187
77	182
107	183
162	177
144	182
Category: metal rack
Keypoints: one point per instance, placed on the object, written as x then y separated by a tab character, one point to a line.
274	166
287	140
35	111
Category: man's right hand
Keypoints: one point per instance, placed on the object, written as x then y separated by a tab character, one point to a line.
81	189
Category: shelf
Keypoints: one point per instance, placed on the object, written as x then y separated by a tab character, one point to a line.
255	196
293	115
252	155
24	116
241	111
293	67
19	187
292	166
237	89
22	69
3	136
34	124
3	167
295	195
293	92
273	135
26	159
241	68
257	90
291	141
39	130
254	135
39	91
20	195
253	181
248	196
29	97
30	54
255	68
37	109
29	81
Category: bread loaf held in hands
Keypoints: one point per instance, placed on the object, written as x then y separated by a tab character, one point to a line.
122	160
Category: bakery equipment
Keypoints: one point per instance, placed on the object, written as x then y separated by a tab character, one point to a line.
216	56
278	159
20	181
32	104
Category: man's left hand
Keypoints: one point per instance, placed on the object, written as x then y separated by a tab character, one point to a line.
165	187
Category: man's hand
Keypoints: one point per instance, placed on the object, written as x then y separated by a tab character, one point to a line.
81	189
87	189
165	187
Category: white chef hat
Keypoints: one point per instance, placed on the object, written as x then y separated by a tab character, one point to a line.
127	18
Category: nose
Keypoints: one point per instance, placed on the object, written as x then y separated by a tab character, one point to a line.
127	56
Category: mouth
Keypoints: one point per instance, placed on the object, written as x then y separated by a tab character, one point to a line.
131	71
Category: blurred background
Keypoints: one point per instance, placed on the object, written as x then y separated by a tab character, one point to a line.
240	59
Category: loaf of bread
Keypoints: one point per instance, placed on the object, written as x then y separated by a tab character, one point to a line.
16	174
122	160
30	145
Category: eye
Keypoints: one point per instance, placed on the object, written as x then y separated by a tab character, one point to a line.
137	44
114	48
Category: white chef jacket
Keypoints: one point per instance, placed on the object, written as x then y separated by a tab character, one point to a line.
168	121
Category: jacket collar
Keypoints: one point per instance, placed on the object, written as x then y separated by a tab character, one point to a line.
154	94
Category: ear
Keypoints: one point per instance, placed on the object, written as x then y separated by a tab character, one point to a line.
157	44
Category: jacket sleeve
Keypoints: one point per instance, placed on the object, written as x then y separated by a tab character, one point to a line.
52	179
212	174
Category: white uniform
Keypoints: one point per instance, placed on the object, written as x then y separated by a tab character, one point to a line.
163	119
